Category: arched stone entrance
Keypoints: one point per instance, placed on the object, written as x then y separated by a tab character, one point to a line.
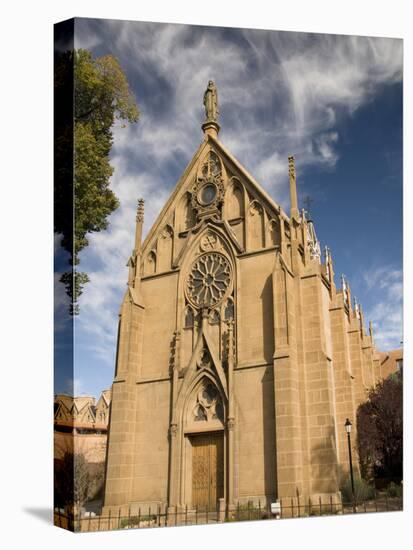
203	450
204	433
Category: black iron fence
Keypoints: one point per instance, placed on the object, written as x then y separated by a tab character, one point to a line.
287	508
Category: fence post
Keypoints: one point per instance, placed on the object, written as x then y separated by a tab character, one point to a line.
109	520
259	509
196	514
319	501
119	519
186	514
292	508
139	516
221	510
309	506
207	514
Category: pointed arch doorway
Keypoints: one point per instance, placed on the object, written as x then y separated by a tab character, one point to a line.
202	464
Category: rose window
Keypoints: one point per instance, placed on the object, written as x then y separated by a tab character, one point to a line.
209	280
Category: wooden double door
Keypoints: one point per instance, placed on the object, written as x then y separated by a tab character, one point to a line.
207	469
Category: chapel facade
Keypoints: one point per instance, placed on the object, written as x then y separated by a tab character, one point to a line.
238	359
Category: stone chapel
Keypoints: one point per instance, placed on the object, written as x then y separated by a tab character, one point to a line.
238	358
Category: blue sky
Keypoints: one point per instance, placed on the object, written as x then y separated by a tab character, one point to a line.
335	102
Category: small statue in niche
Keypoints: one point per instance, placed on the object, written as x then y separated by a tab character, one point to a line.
211	102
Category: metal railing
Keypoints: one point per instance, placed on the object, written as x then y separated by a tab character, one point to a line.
161	517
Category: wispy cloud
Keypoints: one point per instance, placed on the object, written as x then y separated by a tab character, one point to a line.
280	93
386	314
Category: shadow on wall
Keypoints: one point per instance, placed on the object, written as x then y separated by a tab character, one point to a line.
267	320
270	462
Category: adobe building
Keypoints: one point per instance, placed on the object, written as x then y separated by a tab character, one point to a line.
238	358
391	362
81	426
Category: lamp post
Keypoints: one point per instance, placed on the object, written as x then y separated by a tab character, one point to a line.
348	426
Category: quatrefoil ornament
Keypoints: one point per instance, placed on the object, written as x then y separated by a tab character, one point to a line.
208	242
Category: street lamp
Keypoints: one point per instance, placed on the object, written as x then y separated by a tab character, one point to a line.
348	426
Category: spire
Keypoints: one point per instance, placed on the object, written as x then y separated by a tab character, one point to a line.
361	319
293	188
346	292
139	224
134	261
371	332
313	243
211	126
356	307
329	264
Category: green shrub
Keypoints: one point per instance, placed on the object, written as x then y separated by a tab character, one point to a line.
394	490
326	509
136	521
249	510
362	490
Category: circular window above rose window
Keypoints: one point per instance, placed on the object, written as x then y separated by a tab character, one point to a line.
207	194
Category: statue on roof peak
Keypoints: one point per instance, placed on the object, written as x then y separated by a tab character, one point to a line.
211	102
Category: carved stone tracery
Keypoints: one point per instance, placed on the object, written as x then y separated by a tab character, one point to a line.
208	404
209	280
207	193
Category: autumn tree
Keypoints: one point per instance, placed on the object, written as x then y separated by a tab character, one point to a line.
90	95
380	430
